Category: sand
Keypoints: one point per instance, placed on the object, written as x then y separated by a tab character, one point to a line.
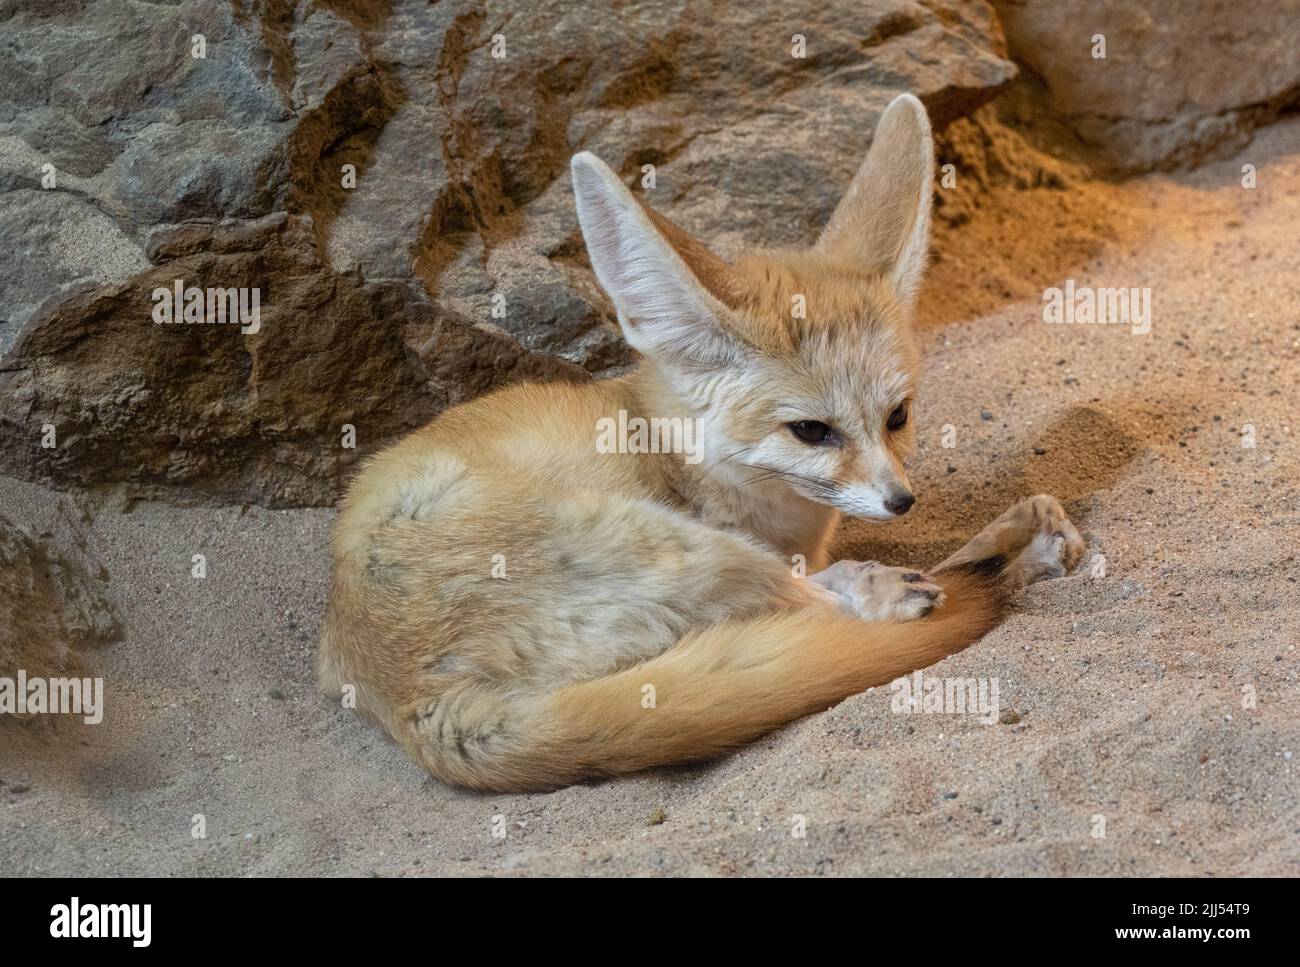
1152	696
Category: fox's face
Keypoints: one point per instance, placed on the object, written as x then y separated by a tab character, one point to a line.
821	400
800	366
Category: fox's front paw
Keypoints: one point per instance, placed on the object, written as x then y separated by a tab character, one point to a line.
874	592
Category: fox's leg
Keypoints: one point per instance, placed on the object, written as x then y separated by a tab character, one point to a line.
875	592
1035	536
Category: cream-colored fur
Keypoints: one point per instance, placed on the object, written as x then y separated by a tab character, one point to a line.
520	610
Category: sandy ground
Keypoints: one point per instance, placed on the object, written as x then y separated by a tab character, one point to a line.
1124	689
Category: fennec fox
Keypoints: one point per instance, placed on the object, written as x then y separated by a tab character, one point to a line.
521	610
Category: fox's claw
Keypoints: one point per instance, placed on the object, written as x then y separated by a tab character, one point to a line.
875	592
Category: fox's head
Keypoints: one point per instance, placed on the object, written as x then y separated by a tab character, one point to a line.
800	366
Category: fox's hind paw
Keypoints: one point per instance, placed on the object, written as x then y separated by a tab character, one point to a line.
1053	552
1014	533
875	592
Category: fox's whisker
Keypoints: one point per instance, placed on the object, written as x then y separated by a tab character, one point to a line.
820	484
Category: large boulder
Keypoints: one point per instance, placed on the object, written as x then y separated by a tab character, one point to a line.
222	157
1179	81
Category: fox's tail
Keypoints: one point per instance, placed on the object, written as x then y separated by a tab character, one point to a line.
715	690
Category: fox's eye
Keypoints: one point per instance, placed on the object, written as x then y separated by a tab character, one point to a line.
897	419
810	431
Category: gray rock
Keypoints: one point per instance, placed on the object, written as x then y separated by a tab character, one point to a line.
1180	81
378	299
53	612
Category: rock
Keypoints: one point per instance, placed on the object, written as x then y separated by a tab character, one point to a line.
52	611
1179	82
81	244
450	265
255	418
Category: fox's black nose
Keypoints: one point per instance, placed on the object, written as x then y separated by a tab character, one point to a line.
900	504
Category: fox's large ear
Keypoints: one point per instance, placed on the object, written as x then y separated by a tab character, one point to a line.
670	291
884	217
